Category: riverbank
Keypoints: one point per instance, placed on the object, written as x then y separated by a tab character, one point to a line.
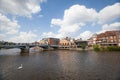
94	48
106	48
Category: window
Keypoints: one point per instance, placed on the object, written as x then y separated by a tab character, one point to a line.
111	40
114	36
65	43
111	37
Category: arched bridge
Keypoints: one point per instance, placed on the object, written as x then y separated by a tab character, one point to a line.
26	47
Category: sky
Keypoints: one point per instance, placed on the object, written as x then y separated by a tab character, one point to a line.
32	20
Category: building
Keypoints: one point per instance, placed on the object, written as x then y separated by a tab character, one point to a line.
108	38
91	41
42	42
79	43
67	43
50	41
64	43
53	41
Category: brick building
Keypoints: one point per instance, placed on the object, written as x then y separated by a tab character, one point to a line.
67	43
108	38
92	40
79	43
50	41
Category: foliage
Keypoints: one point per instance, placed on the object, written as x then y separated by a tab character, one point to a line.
113	48
108	48
83	46
96	47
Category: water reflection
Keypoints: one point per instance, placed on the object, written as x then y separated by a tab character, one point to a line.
59	65
24	54
14	51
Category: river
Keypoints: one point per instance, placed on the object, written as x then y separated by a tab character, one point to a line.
59	65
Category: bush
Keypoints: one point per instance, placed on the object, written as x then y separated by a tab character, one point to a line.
113	48
103	48
83	46
96	47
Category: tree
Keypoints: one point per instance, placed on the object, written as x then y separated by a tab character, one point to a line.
96	47
83	46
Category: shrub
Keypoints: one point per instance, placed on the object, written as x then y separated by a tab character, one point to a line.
113	48
103	48
96	47
83	46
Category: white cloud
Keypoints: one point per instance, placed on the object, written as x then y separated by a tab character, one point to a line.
21	8
79	13
85	35
74	18
56	22
49	34
59	35
8	26
40	16
2	36
113	26
9	31
109	13
24	37
78	16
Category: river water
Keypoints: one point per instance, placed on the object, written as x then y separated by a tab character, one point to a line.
59	65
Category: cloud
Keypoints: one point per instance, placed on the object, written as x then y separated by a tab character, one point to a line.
2	36
49	34
79	13
109	13
74	18
112	26
24	37
85	35
78	16
21	8
40	16
8	26
56	22
9	31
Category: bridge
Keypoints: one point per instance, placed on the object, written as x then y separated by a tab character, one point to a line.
25	47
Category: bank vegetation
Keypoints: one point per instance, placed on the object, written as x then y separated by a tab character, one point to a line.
106	48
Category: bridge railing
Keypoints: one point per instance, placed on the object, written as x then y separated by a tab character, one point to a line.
27	45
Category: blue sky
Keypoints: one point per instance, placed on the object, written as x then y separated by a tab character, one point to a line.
32	20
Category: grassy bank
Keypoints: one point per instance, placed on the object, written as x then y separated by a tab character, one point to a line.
106	48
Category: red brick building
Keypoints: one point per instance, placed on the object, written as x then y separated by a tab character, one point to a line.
108	38
50	41
67	43
92	40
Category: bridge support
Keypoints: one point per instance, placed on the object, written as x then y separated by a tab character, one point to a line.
25	50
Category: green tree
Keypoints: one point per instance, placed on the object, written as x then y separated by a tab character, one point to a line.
96	47
83	46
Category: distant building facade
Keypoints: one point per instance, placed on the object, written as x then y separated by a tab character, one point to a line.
43	42
91	41
79	43
108	38
67	43
50	41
